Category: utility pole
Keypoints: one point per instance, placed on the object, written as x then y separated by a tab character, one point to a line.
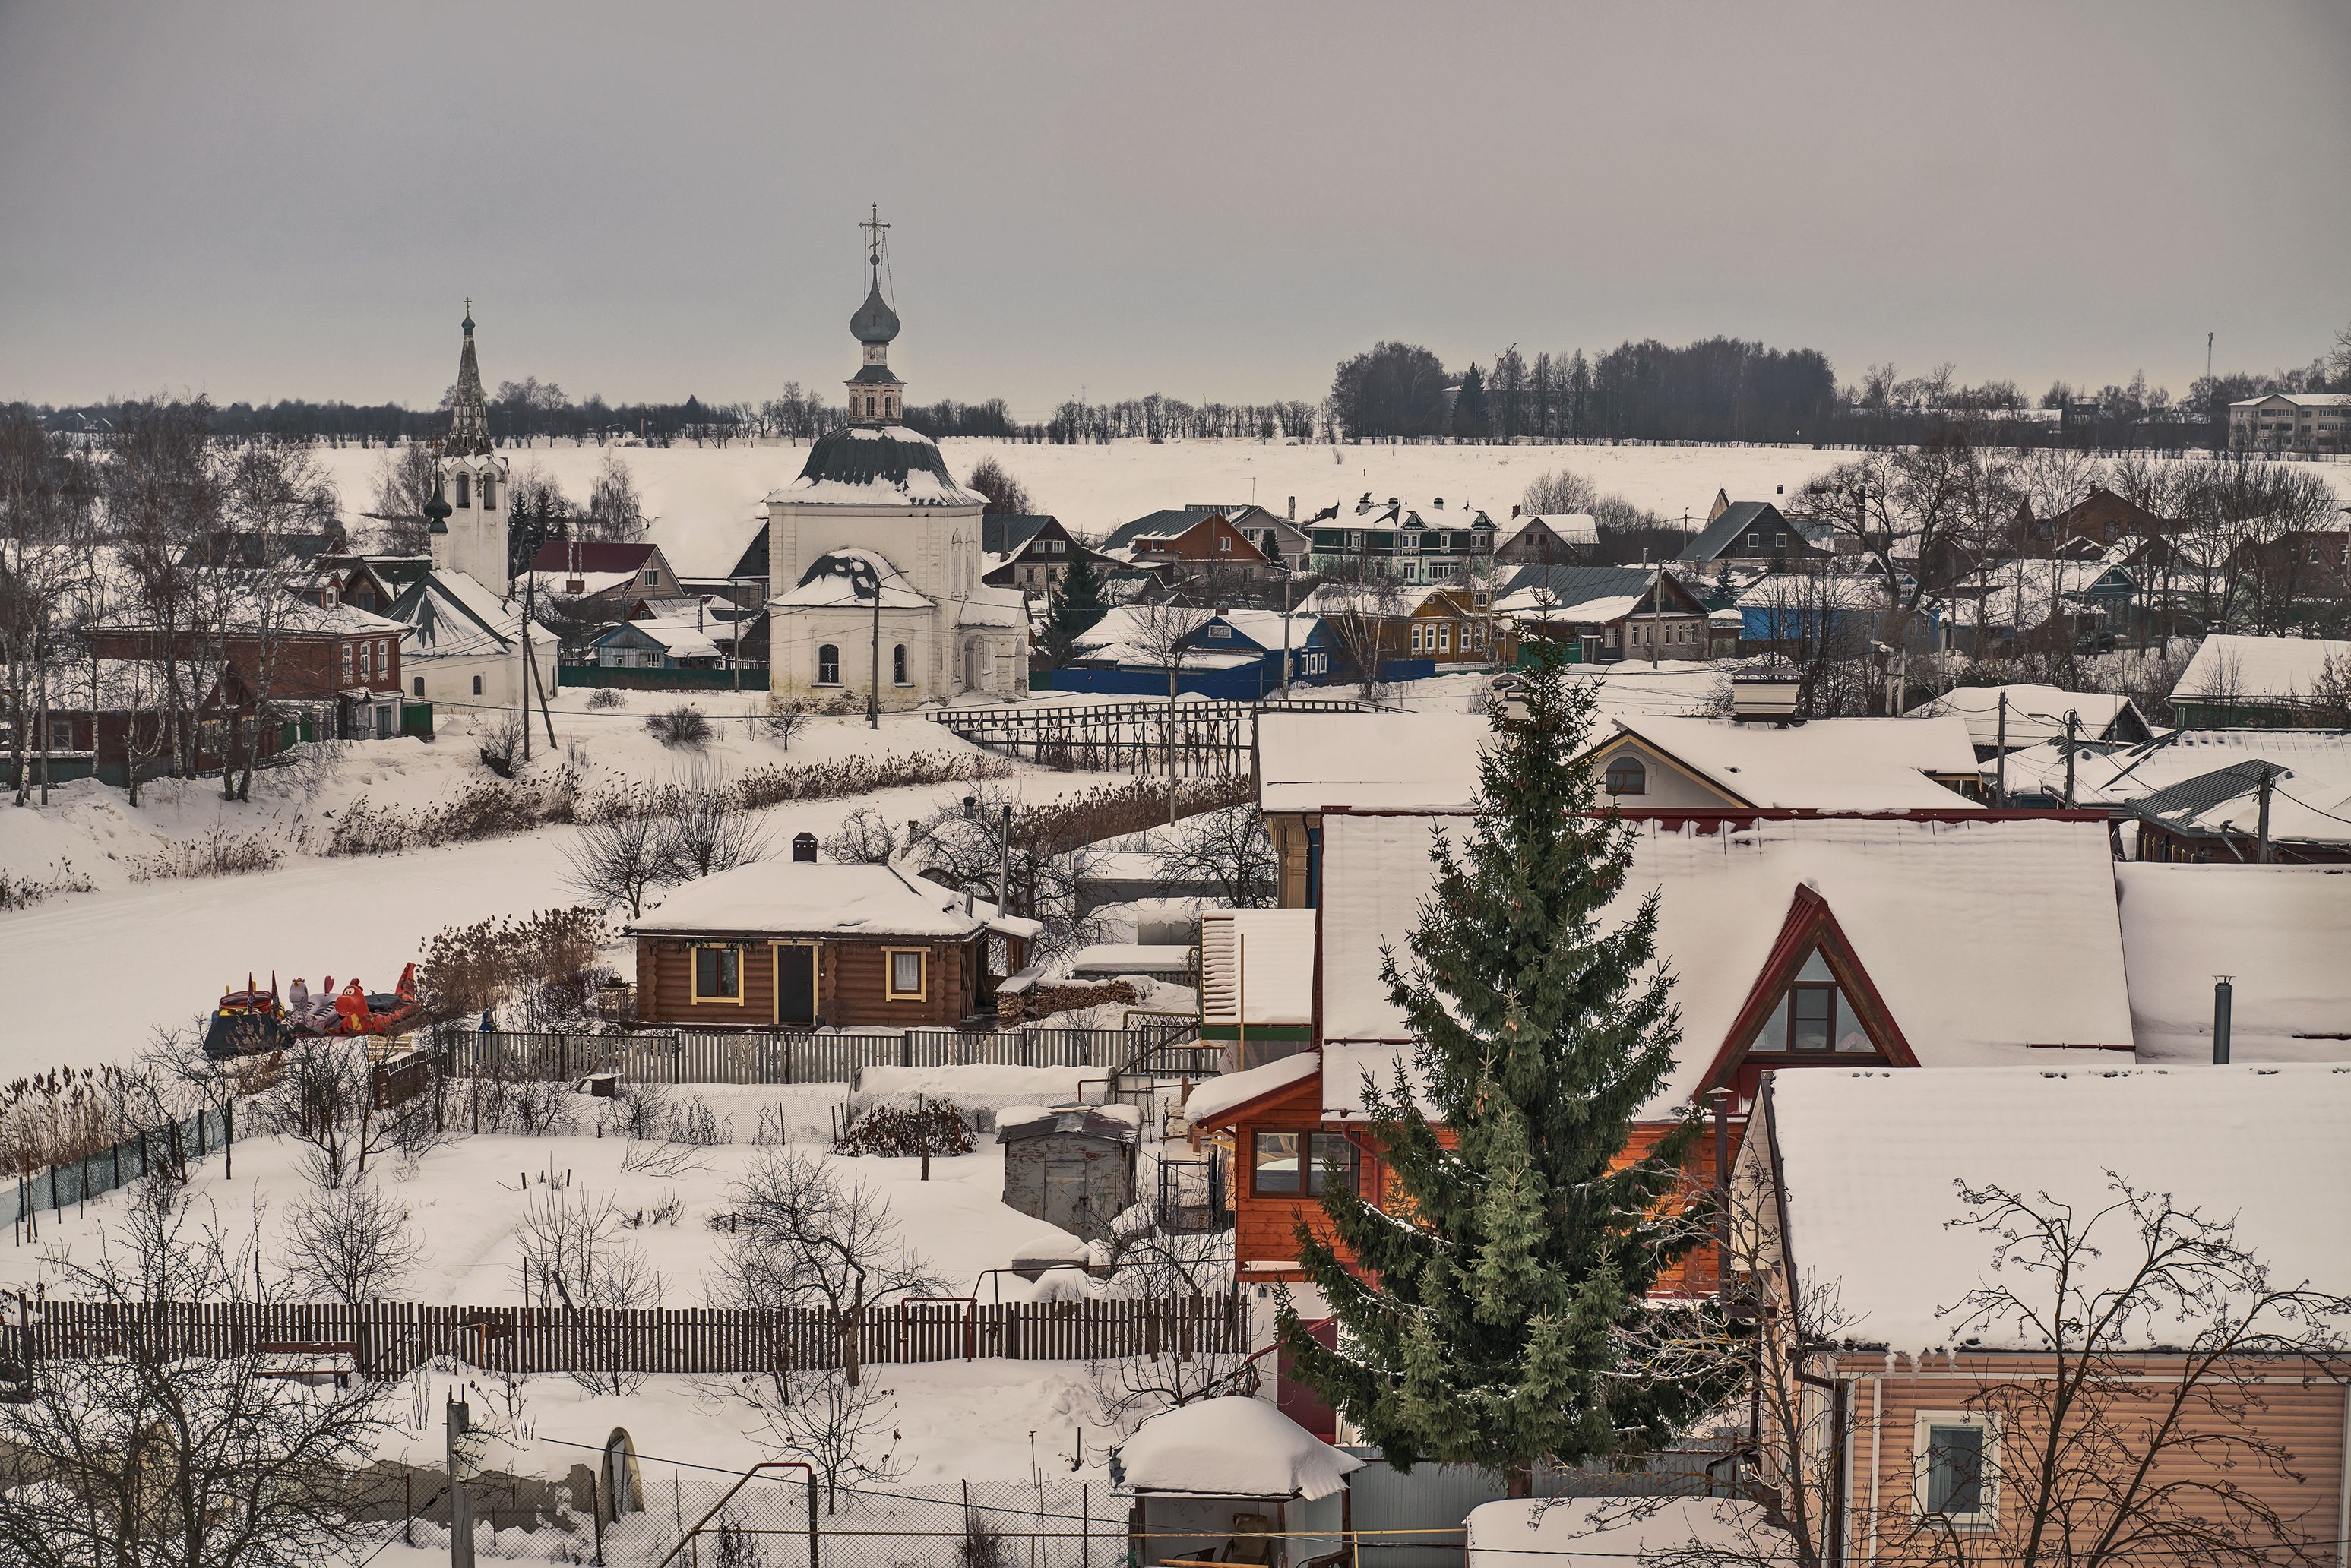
461	1470
2073	723
874	696
1288	583
2000	757
2263	854
1003	860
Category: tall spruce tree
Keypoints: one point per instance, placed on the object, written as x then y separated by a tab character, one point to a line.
1489	1314
1077	605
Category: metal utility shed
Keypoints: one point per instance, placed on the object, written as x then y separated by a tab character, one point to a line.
1073	1166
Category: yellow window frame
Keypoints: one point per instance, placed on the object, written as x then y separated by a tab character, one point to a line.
890	991
694	972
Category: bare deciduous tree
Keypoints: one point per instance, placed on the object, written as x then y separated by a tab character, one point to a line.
806	1238
351	1243
704	832
1228	849
151	1454
572	1255
619	858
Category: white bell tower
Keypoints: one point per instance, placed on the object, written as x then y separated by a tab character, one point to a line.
471	483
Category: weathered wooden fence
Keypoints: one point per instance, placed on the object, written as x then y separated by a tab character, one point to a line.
1193	739
390	1339
688	1056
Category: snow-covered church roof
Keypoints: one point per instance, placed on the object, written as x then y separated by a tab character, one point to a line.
452	615
849	579
884	464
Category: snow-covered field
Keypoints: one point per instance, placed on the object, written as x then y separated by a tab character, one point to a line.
94	975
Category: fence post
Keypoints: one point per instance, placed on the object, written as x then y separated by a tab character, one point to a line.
906	1048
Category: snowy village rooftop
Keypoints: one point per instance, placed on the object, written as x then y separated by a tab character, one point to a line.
794	895
1990	942
2278	932
1872	1161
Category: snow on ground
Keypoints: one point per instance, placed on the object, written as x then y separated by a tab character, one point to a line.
94	975
466	1200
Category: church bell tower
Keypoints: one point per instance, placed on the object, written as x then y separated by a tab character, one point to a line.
470	479
876	396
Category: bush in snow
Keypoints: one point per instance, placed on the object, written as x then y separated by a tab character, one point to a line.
22	889
218	854
899	1131
542	968
352	1244
784	720
683	724
605	698
863	838
571	1257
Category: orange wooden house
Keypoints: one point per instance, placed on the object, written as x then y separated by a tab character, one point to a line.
1799	940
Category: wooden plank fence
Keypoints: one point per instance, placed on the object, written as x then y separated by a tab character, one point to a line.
391	1339
688	1056
1197	740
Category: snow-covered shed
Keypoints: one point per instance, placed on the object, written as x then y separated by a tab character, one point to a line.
1235	1479
1070	1165
2283	936
786	943
1659	763
2262	680
1257	981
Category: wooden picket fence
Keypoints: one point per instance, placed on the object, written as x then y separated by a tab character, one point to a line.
390	1339
745	1056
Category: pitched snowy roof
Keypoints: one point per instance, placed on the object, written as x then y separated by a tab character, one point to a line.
450	615
1256	966
1233	1447
2207	780
1568	527
2277	931
1827	765
1001	607
2035	713
2253	669
1370	760
1985	939
678	636
795	897
1870	1160
1219	1096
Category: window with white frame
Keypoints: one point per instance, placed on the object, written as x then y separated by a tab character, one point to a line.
1955	1457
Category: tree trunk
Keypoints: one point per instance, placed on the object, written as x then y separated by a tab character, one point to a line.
1520	1480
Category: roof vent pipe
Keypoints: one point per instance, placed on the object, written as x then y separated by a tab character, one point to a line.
2224	996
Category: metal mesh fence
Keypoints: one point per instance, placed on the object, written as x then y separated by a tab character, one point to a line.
124	1161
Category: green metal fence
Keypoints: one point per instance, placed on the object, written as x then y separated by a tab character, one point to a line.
750	678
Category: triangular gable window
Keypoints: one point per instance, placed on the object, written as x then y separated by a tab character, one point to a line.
1811	1003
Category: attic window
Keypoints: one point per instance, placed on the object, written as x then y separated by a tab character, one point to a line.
1220	633
1628	776
1755	542
1779	542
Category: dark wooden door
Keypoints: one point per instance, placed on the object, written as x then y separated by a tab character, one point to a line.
795	983
1297	1401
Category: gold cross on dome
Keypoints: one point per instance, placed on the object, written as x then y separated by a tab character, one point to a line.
874	227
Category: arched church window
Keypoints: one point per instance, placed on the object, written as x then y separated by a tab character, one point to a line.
898	664
869	406
827	666
463	479
489	492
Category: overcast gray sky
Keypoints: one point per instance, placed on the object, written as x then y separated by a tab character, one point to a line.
259	199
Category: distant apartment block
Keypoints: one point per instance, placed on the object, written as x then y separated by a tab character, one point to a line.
2311	423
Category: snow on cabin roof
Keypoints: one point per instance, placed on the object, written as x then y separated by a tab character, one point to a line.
1256	966
452	615
1219	1096
2035	713
1870	1160
2277	931
2235	669
1232	1446
1827	765
2207	780
677	636
1986	939
795	897
1371	760
1612	1532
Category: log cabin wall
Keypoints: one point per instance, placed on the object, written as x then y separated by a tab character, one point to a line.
851	982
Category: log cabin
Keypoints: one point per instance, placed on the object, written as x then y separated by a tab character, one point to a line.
795	945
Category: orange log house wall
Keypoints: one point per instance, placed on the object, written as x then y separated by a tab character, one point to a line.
1265	1230
851	986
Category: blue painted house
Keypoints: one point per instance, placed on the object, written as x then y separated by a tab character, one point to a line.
1236	654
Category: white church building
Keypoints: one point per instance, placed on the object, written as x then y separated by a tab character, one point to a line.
881	547
462	646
